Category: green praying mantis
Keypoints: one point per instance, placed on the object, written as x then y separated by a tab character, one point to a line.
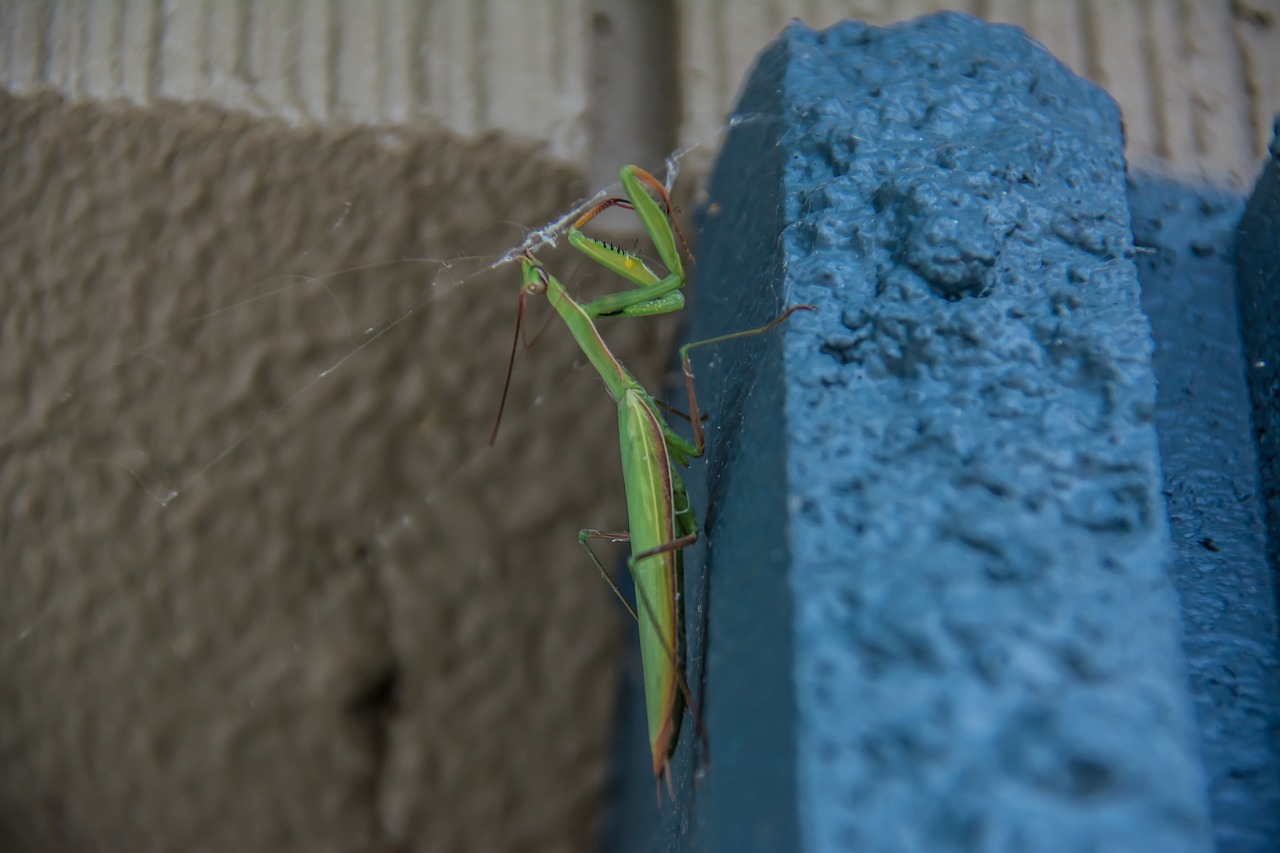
662	520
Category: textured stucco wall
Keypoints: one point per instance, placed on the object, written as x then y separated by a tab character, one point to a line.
246	607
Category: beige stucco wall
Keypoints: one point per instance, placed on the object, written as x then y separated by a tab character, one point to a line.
263	586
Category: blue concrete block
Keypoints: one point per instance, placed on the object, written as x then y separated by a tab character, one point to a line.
934	608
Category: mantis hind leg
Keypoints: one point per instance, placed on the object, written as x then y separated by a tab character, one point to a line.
685	523
610	536
695	415
587	534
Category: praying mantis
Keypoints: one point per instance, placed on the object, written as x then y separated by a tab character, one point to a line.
661	519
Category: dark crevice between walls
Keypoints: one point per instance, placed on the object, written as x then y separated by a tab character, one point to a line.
1214	497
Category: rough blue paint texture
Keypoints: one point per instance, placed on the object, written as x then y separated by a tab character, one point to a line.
988	643
967	637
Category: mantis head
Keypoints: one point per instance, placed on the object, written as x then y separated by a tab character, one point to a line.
532	275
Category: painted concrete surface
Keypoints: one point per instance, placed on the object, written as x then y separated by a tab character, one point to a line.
974	583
